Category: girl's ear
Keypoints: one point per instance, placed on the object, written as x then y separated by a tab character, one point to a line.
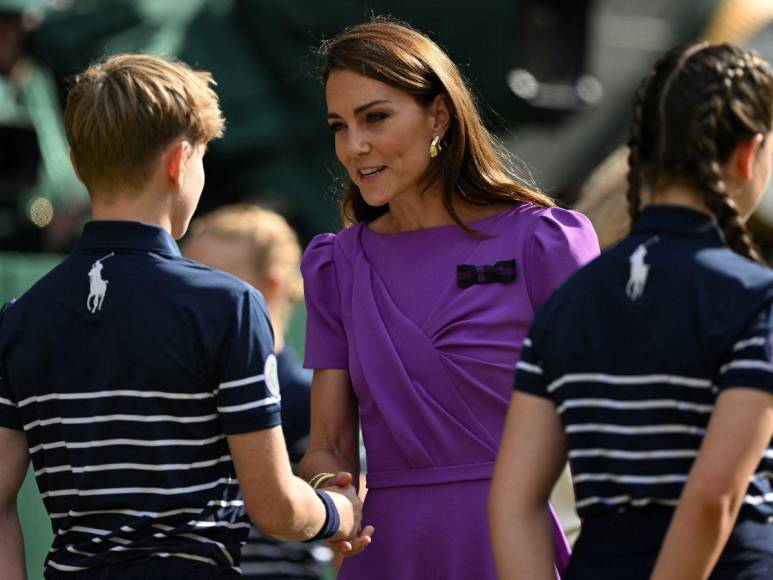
742	160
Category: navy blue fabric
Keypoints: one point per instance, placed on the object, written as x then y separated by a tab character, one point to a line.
625	544
126	366
295	383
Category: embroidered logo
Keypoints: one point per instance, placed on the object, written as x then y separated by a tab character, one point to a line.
97	286
639	270
271	375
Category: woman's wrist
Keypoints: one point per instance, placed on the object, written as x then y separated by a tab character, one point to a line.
319	479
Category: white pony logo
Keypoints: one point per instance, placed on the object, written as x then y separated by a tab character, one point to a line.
639	270
97	286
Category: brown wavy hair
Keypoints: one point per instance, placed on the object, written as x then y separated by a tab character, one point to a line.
699	102
473	166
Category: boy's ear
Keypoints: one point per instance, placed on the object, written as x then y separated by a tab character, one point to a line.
744	155
174	162
75	166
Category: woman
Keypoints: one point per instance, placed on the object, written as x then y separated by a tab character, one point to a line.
670	369
417	309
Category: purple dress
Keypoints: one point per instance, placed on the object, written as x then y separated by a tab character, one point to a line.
432	366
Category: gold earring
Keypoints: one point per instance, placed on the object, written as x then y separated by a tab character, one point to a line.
435	147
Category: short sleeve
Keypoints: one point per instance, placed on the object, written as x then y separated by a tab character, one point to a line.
529	372
326	345
562	242
247	394
750	361
9	410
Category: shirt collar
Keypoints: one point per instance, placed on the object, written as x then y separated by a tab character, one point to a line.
127	236
679	220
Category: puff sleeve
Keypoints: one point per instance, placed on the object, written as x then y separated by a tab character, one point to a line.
326	344
562	242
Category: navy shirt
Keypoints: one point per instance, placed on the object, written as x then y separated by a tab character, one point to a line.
126	366
634	349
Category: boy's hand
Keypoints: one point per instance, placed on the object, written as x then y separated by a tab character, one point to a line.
349	540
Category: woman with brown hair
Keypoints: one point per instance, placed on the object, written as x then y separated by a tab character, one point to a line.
663	404
418	308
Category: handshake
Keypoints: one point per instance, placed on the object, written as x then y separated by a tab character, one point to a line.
351	538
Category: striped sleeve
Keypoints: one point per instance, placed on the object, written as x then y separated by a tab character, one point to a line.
247	394
750	360
529	374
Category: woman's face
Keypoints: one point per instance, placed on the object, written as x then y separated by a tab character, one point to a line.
382	135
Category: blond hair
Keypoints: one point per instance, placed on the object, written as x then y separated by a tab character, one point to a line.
123	110
272	242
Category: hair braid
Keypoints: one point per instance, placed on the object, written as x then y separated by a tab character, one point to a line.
708	116
635	178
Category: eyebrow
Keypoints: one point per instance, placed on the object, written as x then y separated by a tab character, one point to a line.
359	109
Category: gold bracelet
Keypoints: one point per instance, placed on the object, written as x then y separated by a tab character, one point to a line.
318	479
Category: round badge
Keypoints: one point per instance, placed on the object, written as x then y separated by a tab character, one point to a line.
271	375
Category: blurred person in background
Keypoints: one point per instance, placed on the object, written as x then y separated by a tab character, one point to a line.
259	246
417	309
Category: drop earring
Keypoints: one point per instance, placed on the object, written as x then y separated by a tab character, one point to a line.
435	147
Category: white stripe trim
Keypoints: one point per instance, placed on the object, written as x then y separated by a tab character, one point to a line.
251	405
638	430
197	538
629	380
758	499
529	368
618	499
141	466
241	382
8	402
635	405
756	341
114	393
153	490
621	454
74	514
121	417
65	568
137	442
186	556
635	479
229	525
71	548
84	530
747	364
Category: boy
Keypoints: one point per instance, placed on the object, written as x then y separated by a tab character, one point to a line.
143	385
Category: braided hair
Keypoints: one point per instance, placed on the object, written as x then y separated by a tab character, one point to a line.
698	103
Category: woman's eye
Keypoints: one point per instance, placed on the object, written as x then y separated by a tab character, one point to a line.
376	117
335	127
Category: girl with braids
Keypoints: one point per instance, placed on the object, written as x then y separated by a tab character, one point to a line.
417	309
651	368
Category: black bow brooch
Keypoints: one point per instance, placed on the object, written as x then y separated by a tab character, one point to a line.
503	272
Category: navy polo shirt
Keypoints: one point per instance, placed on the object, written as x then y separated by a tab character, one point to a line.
634	349
126	366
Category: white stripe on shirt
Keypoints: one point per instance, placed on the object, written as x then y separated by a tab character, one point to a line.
633	430
241	382
137	442
151	490
114	393
755	341
530	368
747	364
141	466
121	417
629	380
635	479
634	455
633	405
250	405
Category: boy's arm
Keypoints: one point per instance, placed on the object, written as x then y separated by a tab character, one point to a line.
280	503
740	429
13	450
